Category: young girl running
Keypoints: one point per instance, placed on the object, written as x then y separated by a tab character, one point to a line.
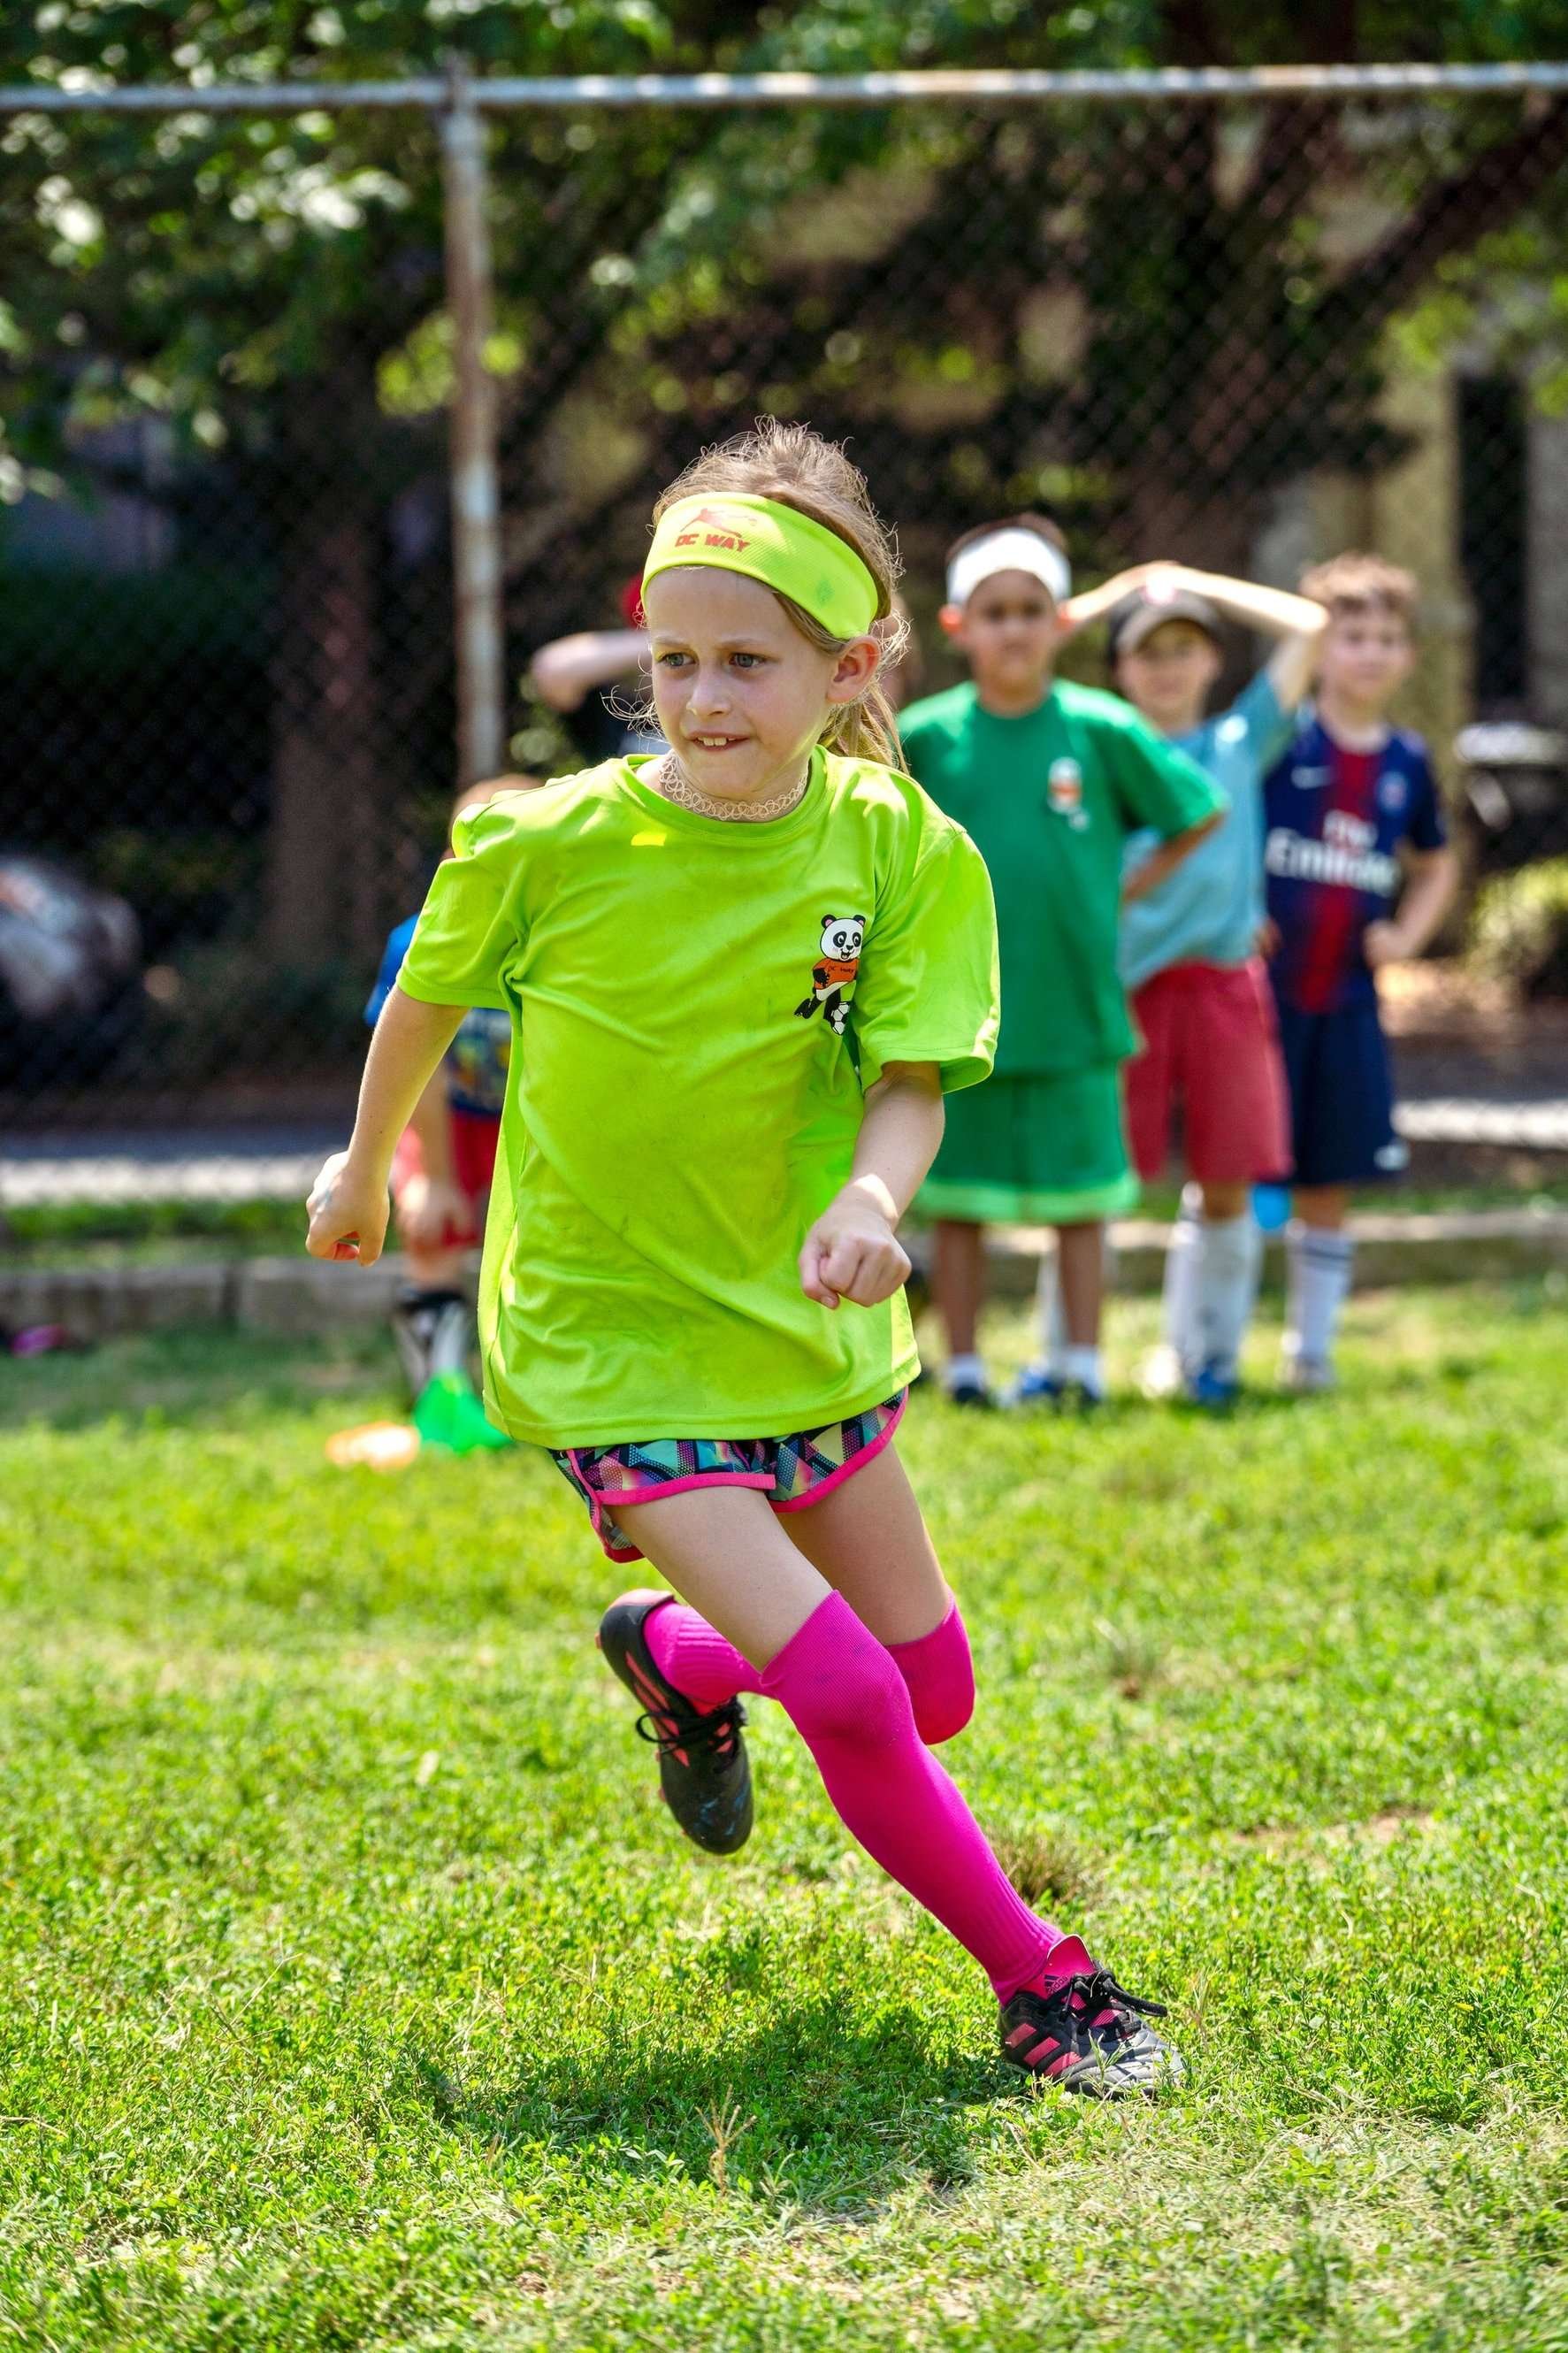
740	974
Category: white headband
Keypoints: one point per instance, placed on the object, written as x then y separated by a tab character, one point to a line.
1011	549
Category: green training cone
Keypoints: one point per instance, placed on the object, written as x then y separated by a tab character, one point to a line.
450	1415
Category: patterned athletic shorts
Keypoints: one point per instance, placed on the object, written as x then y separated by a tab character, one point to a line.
791	1471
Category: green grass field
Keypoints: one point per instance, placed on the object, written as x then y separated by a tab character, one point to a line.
358	1994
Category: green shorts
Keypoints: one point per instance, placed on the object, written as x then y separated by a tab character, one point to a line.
1026	1149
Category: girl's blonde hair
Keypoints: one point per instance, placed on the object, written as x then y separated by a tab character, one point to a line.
800	470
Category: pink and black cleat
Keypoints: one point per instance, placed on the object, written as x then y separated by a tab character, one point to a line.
1081	2030
703	1768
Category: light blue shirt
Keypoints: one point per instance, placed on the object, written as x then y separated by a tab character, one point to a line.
1210	910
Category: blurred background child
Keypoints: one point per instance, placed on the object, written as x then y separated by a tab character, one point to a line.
1199	991
1359	874
593	682
444	1165
1049	780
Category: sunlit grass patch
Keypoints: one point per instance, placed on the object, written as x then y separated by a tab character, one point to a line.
359	1993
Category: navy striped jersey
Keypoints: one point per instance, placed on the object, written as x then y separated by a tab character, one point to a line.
1334	821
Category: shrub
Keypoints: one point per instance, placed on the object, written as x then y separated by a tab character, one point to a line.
1519	932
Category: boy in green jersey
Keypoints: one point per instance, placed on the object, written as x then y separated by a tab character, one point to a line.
1049	780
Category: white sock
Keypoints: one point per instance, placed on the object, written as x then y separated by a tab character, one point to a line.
966	1372
1180	1295
1055	1346
1048	1309
1320	1276
1230	1250
1081	1365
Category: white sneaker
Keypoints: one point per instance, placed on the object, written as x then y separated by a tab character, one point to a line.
1306	1376
1160	1375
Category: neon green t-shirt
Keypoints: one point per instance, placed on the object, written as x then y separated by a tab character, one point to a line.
1050	799
697	1006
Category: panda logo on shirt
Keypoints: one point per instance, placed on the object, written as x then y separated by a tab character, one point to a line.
839	960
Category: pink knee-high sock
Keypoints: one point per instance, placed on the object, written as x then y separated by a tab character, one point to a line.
936	1667
847	1699
938	1675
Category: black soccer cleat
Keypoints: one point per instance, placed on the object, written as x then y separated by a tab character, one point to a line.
703	1768
1087	2035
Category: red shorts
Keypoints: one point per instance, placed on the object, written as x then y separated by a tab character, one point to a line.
474	1140
1212	1044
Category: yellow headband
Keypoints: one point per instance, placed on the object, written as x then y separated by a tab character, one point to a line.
773	543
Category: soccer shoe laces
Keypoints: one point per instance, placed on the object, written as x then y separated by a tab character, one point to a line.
1093	1992
717	1729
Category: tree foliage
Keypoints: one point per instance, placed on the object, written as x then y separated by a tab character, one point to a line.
1148	316
196	261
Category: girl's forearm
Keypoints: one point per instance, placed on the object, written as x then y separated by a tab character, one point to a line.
405	1051
899	1137
431	1121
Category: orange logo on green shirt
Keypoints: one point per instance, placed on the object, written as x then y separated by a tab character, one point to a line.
1063	787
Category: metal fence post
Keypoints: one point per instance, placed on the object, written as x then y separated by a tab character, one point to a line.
476	495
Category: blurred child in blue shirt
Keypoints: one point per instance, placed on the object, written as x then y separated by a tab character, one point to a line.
444	1162
1189	956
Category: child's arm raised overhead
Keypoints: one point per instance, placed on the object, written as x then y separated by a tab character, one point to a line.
1091	605
853	1250
1298	622
348	1203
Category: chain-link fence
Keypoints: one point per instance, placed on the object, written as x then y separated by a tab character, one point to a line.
1244	327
